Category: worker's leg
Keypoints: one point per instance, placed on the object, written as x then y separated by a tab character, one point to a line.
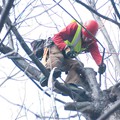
55	59
74	71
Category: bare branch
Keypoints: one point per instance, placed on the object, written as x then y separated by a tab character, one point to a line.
94	11
115	8
5	13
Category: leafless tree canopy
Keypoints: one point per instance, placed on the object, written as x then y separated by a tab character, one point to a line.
21	22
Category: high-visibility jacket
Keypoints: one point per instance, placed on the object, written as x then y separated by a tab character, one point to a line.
69	35
76	42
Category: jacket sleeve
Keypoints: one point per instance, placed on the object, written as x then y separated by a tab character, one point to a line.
95	53
65	34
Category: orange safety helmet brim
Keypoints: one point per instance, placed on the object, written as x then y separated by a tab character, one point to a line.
92	27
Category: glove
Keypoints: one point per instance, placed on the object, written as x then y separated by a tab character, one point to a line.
69	52
102	68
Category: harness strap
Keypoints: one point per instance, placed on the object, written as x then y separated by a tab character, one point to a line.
77	37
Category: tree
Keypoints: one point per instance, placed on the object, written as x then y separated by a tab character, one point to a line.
19	25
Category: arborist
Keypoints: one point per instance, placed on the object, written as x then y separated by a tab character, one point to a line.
68	43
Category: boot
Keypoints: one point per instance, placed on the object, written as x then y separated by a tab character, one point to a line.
71	86
73	91
43	80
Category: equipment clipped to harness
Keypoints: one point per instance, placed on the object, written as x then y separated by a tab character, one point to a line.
39	45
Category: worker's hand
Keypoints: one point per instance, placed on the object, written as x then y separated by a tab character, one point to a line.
69	52
102	68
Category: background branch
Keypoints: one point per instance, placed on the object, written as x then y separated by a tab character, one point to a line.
5	12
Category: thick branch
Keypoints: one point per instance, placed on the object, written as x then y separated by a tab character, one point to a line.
27	49
111	110
76	95
5	13
90	76
79	106
20	62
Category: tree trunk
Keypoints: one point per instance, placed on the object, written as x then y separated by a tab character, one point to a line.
104	105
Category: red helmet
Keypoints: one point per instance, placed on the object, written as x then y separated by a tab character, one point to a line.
91	26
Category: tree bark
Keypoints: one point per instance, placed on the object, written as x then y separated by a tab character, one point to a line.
5	12
104	105
21	63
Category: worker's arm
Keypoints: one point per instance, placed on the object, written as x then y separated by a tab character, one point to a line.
66	34
95	53
97	57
